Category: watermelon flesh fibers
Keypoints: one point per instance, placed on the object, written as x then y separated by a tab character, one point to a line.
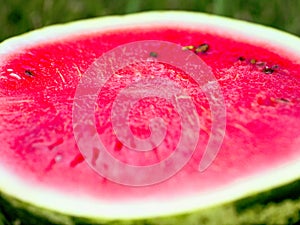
260	85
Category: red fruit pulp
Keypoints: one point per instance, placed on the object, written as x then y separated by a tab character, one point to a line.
37	87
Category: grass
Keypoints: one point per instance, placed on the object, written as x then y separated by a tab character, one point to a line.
18	16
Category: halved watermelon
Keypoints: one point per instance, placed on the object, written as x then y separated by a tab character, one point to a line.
254	178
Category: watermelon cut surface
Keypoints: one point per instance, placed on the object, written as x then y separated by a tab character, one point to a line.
255	176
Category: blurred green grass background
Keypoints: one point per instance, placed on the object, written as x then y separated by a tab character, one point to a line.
19	16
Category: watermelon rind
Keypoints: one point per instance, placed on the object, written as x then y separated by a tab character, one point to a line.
276	206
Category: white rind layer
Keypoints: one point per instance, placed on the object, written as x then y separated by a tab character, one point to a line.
146	208
17	187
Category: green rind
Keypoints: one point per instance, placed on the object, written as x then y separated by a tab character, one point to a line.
277	206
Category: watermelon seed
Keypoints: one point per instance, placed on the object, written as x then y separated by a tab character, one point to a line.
29	73
271	101
282	100
15	76
260	64
202	48
268	70
188	47
153	54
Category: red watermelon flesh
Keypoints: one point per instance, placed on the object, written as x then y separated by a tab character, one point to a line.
260	84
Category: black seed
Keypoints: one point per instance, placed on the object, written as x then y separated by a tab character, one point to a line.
29	73
202	48
153	54
282	100
241	58
268	70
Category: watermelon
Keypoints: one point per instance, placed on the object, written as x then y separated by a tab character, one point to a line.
229	90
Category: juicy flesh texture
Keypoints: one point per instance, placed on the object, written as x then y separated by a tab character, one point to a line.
36	94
